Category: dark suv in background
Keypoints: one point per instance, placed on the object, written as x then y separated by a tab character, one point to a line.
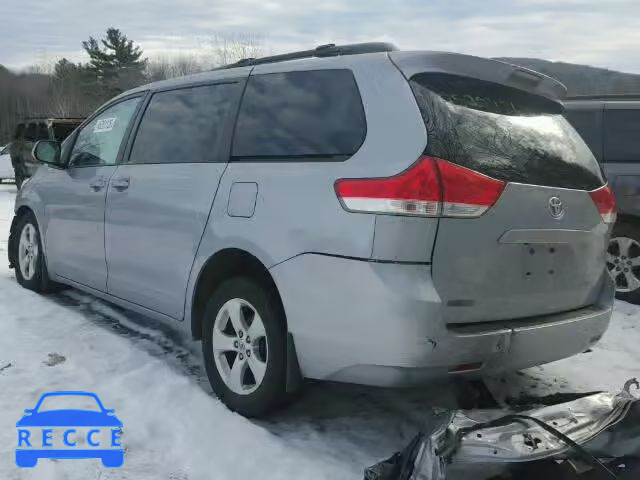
610	125
30	131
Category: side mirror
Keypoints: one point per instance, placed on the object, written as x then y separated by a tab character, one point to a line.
47	151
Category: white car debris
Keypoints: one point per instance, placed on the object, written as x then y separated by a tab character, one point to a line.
589	430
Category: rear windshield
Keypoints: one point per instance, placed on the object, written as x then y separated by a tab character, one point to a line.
62	130
503	132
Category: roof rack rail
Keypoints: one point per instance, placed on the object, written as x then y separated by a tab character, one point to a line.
329	50
605	96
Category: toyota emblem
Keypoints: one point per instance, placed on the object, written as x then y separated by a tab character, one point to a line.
556	208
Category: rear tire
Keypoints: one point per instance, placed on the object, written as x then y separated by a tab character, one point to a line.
623	252
247	374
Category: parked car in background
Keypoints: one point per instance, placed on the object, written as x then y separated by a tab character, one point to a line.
610	125
30	131
301	224
6	169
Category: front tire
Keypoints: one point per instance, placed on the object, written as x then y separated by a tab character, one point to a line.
623	261
244	346
30	264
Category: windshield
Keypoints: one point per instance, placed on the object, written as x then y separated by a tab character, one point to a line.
69	402
503	132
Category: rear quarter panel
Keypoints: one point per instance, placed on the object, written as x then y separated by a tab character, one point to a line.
296	209
625	180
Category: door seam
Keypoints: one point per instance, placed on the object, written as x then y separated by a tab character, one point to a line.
104	228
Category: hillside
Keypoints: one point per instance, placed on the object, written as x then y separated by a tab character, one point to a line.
582	79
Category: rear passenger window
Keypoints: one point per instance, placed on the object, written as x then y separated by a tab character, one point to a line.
43	132
31	133
185	126
313	115
622	135
19	132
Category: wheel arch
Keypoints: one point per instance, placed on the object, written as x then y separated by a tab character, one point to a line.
222	265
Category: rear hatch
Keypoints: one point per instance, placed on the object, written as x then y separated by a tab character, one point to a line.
540	247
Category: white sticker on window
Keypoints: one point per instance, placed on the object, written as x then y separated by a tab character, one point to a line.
104	125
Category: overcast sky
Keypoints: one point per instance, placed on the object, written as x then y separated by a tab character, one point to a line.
603	33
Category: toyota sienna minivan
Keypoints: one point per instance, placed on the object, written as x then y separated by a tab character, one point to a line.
350	213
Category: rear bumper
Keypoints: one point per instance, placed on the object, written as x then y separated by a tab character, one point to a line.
526	343
491	351
383	324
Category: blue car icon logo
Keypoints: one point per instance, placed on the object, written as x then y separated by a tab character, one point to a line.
47	431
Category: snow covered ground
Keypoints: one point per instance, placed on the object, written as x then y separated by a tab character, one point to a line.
175	429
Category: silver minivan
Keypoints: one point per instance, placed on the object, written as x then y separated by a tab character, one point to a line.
350	213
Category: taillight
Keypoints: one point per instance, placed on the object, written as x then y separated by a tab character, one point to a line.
467	193
605	201
431	187
415	191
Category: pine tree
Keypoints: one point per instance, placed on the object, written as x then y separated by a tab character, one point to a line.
117	64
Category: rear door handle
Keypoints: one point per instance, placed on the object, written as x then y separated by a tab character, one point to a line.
120	184
98	184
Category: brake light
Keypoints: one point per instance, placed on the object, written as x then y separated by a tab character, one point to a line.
605	201
431	187
467	193
416	191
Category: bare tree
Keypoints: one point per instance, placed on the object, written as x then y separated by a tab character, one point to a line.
220	49
229	48
164	67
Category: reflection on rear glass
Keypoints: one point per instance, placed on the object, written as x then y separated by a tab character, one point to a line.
503	132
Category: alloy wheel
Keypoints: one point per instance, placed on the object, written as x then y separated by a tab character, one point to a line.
623	263
240	347
28	251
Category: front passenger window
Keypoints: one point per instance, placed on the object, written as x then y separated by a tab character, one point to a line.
99	141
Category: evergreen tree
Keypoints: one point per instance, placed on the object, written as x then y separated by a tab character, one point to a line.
116	61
